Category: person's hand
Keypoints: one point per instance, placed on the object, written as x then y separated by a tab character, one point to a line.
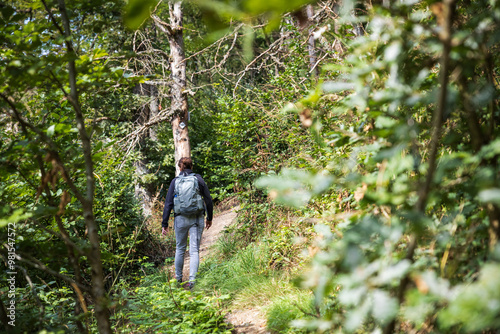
208	224
164	231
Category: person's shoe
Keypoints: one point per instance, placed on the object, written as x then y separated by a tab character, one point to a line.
190	285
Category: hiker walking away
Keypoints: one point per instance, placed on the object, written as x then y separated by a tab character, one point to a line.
186	195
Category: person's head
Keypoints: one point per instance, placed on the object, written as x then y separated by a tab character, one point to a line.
185	163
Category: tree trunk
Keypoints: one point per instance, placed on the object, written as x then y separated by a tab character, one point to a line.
142	191
337	45
94	253
179	103
153	110
311	43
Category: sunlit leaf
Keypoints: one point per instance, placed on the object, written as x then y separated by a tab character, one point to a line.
332	87
385	307
294	187
51	130
392	51
490	196
476	306
15	217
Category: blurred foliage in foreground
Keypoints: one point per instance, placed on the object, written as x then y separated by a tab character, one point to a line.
418	248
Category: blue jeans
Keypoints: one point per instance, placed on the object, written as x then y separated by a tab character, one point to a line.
184	227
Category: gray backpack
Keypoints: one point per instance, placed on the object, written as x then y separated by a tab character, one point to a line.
187	199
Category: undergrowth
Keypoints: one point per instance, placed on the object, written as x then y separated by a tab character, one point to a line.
158	305
256	263
285	309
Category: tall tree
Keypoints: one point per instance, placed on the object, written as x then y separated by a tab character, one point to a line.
179	102
178	96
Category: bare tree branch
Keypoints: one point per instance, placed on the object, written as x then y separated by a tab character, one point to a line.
242	73
162	25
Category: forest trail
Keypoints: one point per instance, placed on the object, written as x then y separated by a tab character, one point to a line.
248	321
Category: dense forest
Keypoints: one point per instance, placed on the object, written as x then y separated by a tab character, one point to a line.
355	140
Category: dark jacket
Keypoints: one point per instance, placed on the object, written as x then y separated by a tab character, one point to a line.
205	193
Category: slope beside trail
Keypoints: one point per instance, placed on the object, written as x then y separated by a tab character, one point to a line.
249	321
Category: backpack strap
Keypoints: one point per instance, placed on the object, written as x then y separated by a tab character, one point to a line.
183	174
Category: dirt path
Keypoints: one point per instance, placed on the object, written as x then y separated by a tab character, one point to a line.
248	321
211	235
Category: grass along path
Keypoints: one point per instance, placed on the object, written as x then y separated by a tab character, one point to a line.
244	321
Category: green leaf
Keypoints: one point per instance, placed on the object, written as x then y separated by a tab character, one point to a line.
337	86
280	6
17	216
418	306
15	63
490	196
51	130
385	122
385	307
7	11
476	306
248	43
392	273
137	12
294	187
392	52
355	318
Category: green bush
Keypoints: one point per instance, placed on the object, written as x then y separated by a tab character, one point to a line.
160	305
283	310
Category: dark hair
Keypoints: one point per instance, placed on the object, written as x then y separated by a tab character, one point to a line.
185	163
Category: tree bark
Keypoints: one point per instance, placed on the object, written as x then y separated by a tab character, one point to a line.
179	102
147	113
311	43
